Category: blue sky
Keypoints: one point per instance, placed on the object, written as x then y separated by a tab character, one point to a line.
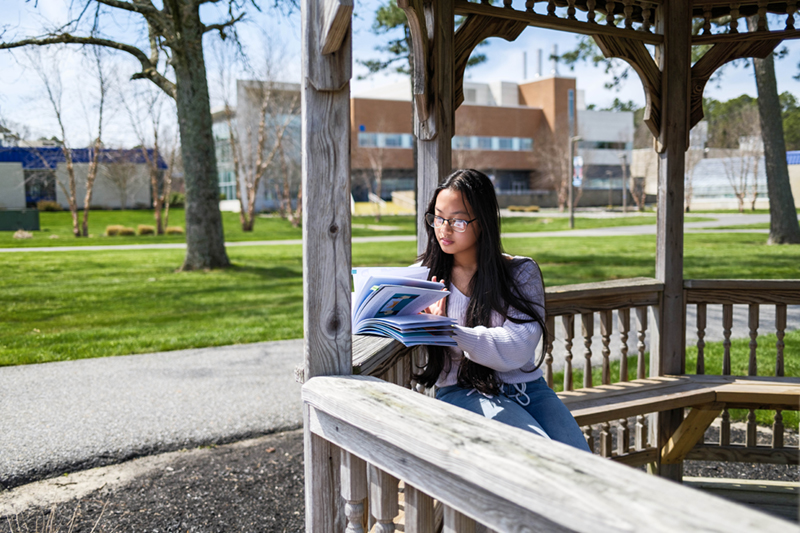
22	97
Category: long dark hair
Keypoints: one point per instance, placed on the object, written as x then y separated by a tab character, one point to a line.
492	288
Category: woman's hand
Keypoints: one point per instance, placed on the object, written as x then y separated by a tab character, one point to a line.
440	307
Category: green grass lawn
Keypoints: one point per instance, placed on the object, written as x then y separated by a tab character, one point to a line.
72	305
59	225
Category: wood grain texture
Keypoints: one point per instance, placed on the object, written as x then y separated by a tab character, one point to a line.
326	201
335	24
689	432
420	50
455	522
324	507
740	454
638	57
471	32
353	472
331	71
717	56
373	356
745	38
434	135
602	296
419	511
555	23
474	465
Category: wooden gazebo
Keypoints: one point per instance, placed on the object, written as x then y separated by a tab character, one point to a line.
371	437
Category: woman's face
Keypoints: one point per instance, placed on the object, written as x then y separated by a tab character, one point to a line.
450	205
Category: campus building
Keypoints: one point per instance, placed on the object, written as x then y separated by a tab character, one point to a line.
513	132
29	174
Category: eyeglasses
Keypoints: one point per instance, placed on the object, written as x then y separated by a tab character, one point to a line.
456	223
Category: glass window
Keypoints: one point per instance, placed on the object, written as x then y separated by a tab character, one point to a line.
506	143
368	140
526	144
393	140
460	142
484	143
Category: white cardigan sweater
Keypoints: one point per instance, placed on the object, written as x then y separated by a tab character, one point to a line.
507	347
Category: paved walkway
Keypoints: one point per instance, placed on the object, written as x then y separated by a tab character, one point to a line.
72	415
722	220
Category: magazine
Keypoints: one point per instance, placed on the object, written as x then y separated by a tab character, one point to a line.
388	301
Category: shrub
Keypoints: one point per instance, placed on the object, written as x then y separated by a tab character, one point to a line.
111	231
143	229
177	199
48	205
524	208
174	230
22	234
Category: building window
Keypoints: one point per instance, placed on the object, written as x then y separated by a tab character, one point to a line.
393	140
505	143
484	143
368	140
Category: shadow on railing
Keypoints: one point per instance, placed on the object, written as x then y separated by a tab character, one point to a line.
459	472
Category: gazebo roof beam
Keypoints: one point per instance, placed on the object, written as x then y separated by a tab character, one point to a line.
539	20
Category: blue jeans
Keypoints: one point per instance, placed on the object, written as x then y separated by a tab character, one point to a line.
532	406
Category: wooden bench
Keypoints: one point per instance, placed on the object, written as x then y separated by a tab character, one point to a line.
706	395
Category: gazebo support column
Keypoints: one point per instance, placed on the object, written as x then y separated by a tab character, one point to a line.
325	94
668	327
433	98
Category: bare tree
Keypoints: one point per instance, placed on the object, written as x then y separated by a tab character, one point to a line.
145	113
693	157
49	73
175	36
552	152
123	174
742	161
290	177
376	157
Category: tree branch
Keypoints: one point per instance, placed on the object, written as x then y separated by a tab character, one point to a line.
222	25
149	70
144	7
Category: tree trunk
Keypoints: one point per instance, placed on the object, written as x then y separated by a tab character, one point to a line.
783	225
205	242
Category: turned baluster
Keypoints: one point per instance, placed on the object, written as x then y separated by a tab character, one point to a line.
777	430
455	522
551	9
507	3
640	435
354	490
529	6
605	439
590	5
647	16
707	20
587	434
734	26
641	327
568	321
725	429
418	507
727	324
610	13
762	16
548	358
623	436
624	318
701	333
780	332
571	10
752	368
628	14
791	7
605	333
587	327
382	499
750	438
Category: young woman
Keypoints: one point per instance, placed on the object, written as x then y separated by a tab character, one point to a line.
499	303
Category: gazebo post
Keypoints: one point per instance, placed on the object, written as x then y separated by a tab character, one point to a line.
325	97
668	326
433	125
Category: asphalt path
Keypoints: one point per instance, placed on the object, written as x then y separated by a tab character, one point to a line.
72	415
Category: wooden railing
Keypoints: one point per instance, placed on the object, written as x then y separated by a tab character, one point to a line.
635	302
754	294
459	472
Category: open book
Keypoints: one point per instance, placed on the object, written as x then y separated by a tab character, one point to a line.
388	301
